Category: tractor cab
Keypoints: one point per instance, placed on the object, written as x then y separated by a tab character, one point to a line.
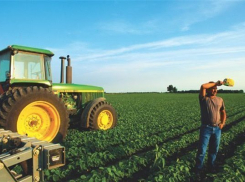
21	65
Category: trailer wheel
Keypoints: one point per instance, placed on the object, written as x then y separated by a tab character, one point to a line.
35	112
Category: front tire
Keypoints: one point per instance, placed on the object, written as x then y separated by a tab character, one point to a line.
102	117
35	112
99	115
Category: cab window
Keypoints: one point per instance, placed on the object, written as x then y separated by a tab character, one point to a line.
4	66
28	66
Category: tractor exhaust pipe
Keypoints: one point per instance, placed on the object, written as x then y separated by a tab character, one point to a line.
62	69
68	70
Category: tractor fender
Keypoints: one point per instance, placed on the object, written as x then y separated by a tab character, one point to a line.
87	110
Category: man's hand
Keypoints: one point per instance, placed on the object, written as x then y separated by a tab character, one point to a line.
221	125
223	118
219	83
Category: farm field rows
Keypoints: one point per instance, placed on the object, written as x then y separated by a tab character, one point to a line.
155	140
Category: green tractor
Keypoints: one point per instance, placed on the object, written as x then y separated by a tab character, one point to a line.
31	104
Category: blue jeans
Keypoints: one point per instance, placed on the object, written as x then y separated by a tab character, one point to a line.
209	136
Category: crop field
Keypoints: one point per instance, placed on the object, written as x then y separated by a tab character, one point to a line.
155	140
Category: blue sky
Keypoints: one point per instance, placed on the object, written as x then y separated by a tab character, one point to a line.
127	46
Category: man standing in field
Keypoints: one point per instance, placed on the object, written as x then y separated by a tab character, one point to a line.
213	118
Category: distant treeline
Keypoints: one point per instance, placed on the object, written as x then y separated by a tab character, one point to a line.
183	91
134	92
219	91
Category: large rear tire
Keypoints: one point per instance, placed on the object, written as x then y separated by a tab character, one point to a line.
35	112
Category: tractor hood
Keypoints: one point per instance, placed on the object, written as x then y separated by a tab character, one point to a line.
65	87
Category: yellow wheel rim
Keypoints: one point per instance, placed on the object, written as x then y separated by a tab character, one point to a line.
105	120
39	119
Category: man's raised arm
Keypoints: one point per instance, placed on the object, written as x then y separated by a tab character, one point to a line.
206	86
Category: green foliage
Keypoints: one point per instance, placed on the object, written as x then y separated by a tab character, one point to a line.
155	140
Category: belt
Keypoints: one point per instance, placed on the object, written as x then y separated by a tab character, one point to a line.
213	124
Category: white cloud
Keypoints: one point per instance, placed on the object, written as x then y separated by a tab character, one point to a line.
227	64
199	11
192	58
179	15
156	48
